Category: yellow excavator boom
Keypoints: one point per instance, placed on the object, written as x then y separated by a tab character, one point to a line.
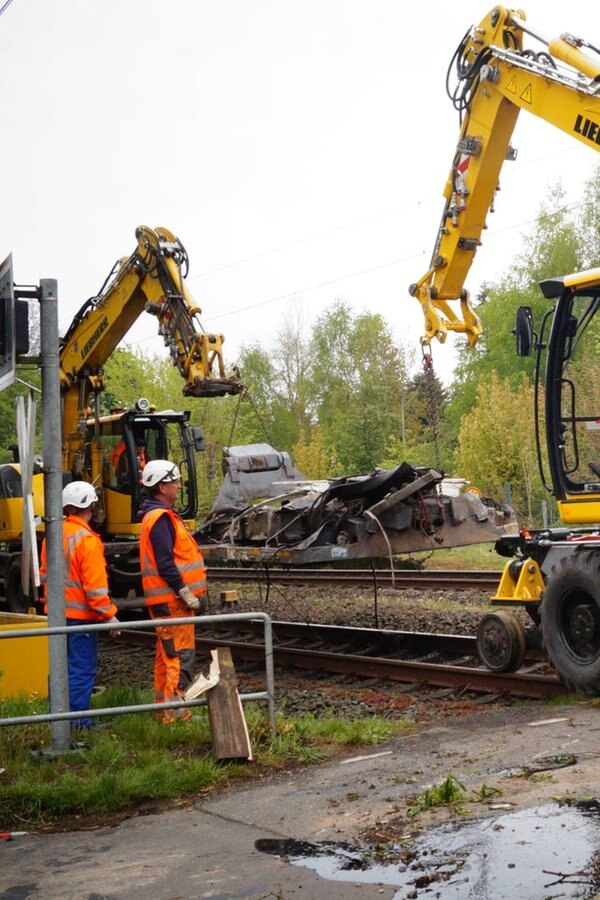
497	78
150	280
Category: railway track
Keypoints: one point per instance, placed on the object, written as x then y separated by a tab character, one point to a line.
419	579
437	660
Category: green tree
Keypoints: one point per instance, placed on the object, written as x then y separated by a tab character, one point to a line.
552	248
312	456
496	444
279	399
588	222
127	377
359	378
422	438
258	419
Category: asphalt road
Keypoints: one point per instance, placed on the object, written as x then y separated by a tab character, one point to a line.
308	832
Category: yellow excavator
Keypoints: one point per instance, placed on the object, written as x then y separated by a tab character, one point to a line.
109	449
553	572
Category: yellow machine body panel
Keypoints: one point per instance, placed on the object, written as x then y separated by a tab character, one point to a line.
575	511
11	502
521	582
18	680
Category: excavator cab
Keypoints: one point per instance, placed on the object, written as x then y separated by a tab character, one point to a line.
116	449
567	410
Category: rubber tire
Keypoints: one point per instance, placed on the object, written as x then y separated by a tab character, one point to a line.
505	625
16	600
571	621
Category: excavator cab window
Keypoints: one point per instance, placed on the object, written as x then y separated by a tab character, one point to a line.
176	451
121	473
165	438
572	403
10	483
122	443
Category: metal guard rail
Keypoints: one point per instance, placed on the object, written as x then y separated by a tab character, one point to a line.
268	695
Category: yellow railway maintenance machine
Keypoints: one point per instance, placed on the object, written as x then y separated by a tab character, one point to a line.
554	573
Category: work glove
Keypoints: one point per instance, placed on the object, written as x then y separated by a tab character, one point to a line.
190	600
115	633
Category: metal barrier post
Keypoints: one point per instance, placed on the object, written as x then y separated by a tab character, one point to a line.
53	517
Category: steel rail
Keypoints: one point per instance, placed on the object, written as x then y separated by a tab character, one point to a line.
303	646
401	578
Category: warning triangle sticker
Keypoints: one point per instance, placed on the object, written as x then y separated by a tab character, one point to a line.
526	96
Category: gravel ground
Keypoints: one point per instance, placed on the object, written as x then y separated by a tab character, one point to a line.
452	612
456	612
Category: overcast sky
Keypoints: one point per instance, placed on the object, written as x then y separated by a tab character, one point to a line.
295	148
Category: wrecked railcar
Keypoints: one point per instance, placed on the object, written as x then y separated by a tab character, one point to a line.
267	512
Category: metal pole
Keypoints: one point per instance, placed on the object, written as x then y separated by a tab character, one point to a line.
53	518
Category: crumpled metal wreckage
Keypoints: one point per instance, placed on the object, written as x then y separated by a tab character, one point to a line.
267	512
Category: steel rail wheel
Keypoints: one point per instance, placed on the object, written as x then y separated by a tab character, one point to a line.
501	641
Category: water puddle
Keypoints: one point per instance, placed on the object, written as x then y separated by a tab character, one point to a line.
550	851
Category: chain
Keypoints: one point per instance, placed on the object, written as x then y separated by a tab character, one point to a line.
430	390
235	416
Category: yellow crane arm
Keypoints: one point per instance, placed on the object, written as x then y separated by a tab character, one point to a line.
497	79
150	280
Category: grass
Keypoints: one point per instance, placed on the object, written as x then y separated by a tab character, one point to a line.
138	760
450	793
475	556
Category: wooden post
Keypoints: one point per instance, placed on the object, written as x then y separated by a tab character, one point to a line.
229	598
230	738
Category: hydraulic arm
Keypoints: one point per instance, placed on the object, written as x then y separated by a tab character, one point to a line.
497	79
150	280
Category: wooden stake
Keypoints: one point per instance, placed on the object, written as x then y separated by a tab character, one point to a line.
228	727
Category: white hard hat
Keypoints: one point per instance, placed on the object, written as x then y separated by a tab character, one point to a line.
158	470
79	494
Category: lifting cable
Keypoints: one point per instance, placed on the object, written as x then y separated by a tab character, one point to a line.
247	396
432	401
235	416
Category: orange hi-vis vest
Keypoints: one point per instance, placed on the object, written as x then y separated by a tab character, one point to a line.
120	452
117	453
86	581
186	555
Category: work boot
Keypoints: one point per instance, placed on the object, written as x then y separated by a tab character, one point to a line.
173	720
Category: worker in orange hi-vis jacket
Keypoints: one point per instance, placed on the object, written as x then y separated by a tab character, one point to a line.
174	582
86	593
120	463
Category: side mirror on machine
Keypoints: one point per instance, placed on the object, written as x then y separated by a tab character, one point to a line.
198	439
523	331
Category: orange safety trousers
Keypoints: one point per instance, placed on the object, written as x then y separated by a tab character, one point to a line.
174	658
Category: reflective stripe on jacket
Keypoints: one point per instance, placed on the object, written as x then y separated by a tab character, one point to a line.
86	581
186	555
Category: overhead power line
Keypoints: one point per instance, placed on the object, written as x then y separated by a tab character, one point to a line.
306	240
5	5
372	218
350	275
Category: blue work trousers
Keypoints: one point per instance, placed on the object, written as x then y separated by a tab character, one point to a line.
82	654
